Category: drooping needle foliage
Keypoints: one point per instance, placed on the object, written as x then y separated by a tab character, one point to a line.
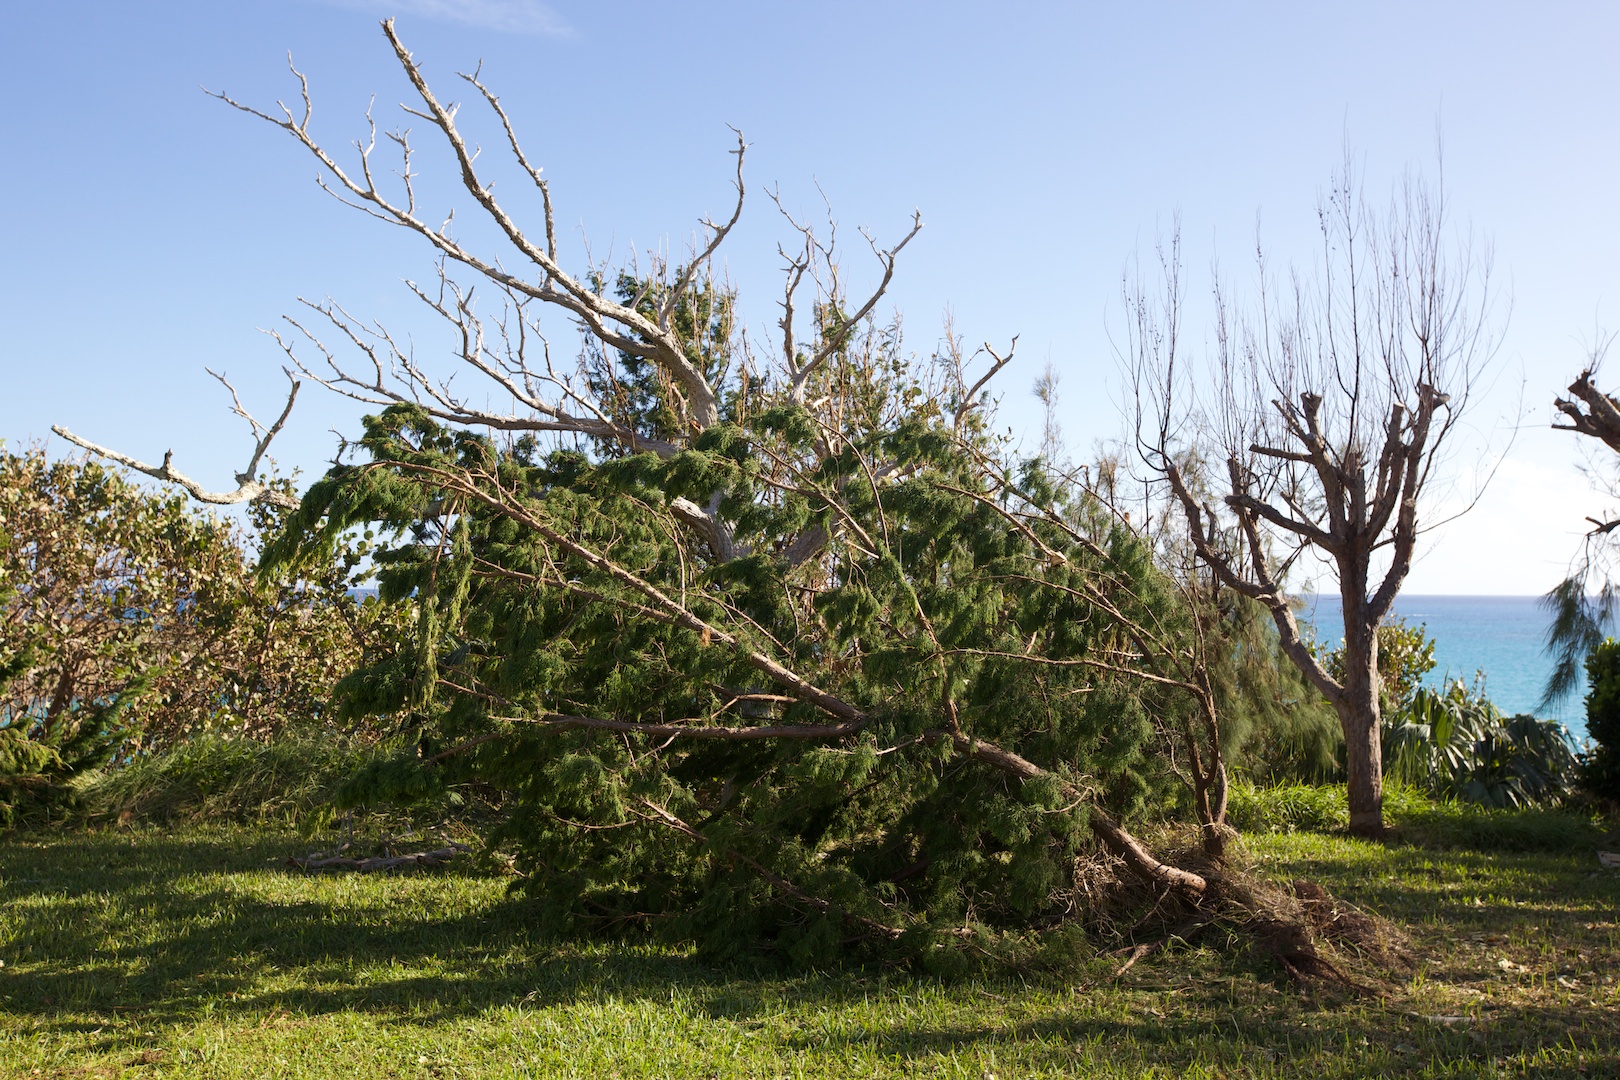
755	749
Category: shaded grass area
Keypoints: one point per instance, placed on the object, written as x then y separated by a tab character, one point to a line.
197	953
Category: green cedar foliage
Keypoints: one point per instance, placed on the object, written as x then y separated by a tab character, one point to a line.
630	389
1277	726
931	603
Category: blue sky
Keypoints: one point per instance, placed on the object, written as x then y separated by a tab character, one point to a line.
154	230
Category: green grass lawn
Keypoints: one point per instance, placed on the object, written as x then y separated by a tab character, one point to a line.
196	953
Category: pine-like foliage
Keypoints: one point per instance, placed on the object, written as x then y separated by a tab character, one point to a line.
1276	727
758	750
770	643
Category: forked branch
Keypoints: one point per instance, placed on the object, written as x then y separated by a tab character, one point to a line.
248	485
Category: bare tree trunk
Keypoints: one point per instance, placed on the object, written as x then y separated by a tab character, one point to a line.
1359	713
1210	784
1208	770
1364	765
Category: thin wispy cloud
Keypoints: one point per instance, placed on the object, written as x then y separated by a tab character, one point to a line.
529	17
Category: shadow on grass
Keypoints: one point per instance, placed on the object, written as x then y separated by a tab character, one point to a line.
100	926
1462	827
95	926
1259	1041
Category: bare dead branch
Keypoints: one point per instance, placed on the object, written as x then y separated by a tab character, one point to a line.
839	335
970	400
1601	417
248	486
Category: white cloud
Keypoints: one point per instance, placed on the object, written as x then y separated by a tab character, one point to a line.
503	16
1518	540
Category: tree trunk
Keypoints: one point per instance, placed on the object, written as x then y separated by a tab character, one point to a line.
1360	719
1365	767
1211	782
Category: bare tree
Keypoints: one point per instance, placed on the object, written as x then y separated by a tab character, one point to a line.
1327	402
571	400
1583	606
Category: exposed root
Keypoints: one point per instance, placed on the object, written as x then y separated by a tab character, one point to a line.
1282	928
1312	937
1292	946
1350	928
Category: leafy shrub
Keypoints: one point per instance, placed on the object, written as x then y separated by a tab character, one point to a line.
1600	771
112	588
1457	744
1405	655
40	755
1287	807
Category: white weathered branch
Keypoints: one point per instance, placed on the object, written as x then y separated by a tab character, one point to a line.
248	486
616	325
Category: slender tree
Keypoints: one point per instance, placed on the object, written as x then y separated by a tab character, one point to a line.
1328	402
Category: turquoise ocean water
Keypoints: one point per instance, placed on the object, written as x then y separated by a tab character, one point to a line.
1499	635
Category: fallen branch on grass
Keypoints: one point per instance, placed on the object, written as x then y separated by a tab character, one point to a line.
322	861
1183	933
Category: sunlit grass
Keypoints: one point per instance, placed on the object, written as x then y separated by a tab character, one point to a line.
198	953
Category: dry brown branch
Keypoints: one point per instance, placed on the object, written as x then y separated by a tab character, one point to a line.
615	325
693	730
1601	418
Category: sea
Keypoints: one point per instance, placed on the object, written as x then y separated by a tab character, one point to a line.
1499	637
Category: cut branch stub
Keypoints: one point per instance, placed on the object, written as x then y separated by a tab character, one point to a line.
1600	420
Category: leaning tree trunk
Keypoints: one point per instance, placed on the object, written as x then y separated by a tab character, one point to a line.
1359	716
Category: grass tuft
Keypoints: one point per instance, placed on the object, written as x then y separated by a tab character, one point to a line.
1286	808
289	780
